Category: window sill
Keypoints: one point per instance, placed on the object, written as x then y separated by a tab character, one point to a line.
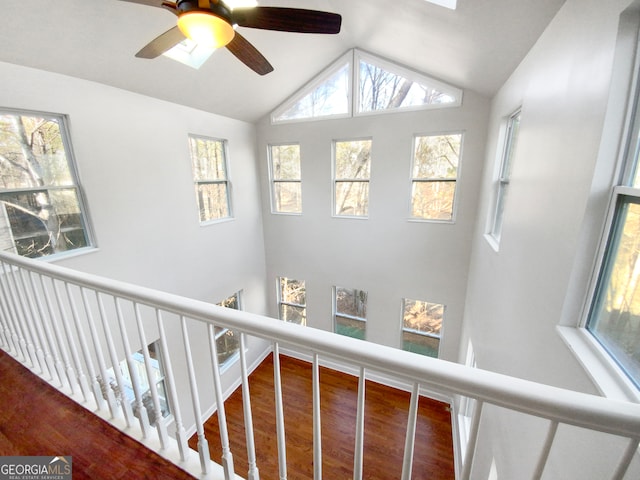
602	370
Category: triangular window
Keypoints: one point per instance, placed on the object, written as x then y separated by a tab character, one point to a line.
375	86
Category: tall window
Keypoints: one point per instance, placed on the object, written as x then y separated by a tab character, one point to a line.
350	312
41	206
209	163
286	179
292	300
227	341
421	327
508	150
352	170
434	176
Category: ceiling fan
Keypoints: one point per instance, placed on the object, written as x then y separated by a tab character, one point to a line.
213	23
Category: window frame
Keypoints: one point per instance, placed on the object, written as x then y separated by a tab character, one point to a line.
231	359
65	137
282	302
507	151
273	181
413	180
226	181
335	181
337	314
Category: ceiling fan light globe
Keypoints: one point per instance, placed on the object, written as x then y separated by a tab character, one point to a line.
206	29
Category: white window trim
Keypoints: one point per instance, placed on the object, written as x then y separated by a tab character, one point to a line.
273	181
282	302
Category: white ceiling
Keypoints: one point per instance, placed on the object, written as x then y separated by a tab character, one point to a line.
476	46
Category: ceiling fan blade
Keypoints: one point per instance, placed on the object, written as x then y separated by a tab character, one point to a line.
287	19
161	44
249	55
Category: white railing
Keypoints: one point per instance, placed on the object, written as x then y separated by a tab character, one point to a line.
75	329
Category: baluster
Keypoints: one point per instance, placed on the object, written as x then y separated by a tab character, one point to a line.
27	321
66	369
227	457
253	473
51	357
546	449
104	386
133	373
359	447
409	441
35	322
120	396
88	361
81	377
626	459
18	326
317	430
181	437
203	445
7	321
473	439
277	384
153	388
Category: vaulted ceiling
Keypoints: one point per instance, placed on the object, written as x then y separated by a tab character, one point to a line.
476	46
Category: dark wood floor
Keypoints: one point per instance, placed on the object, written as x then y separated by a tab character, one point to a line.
386	411
37	420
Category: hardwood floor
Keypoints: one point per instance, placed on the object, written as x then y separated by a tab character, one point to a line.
37	420
385	426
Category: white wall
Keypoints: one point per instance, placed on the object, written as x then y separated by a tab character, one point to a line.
133	161
517	296
386	255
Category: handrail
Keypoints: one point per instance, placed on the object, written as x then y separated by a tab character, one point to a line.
556	404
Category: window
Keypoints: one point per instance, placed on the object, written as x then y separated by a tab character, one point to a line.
384	86
350	312
508	151
366	84
286	182
352	169
421	327
209	163
434	176
292	300
227	341
41	206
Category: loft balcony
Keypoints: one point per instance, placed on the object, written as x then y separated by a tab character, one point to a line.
90	337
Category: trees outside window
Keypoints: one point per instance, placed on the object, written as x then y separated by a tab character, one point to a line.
292	300
227	341
41	207
352	170
286	178
422	326
209	164
434	176
350	312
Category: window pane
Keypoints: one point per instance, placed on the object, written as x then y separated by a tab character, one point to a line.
285	162
433	200
352	198
292	291
288	197
293	314
46	216
351	302
437	156
615	317
227	341
207	159
422	344
422	316
212	198
350	327
353	160
331	97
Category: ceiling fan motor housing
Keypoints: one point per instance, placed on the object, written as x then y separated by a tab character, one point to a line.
217	8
